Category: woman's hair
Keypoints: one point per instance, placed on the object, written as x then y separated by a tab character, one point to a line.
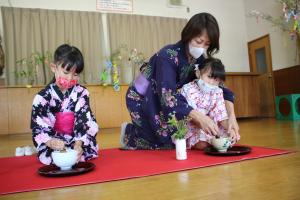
69	57
195	27
216	68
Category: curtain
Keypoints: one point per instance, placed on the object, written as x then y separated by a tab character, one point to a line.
147	34
27	31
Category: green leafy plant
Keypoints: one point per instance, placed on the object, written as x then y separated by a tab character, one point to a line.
179	125
28	67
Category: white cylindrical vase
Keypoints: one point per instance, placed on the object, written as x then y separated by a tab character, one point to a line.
180	145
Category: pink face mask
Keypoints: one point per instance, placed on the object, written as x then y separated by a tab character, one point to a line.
65	83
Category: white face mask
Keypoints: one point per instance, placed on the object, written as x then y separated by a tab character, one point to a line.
196	52
206	86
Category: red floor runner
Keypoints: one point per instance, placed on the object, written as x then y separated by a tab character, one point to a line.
19	174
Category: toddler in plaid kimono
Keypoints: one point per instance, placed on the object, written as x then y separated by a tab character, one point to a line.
205	95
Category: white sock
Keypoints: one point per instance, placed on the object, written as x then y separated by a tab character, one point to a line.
122	135
28	151
20	151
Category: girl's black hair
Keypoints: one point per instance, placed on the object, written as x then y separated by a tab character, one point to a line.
69	57
195	27
216	68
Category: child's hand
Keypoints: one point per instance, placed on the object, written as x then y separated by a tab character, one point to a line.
203	121
78	148
56	144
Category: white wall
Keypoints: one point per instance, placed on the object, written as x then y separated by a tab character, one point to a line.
283	49
230	15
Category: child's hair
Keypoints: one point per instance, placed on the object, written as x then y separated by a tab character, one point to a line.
69	57
216	68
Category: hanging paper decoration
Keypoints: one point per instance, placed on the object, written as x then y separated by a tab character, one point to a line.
105	76
121	61
289	22
115	76
125	58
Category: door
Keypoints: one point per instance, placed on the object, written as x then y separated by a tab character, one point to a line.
261	62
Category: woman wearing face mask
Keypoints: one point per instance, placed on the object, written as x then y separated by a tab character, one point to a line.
61	115
154	95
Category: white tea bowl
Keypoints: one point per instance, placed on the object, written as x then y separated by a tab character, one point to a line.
221	144
64	159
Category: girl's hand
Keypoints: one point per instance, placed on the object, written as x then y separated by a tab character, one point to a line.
203	121
78	148
232	134
56	144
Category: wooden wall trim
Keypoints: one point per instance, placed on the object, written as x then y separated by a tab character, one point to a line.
3	111
88	85
109	106
2	81
42	86
14	101
245	88
242	73
287	80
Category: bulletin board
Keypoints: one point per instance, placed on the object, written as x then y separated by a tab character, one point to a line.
114	5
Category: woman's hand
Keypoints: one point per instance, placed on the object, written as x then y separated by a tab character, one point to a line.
78	148
232	123
233	136
203	121
56	144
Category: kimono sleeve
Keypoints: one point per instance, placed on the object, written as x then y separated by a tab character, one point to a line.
170	99
218	112
185	92
228	94
85	123
41	124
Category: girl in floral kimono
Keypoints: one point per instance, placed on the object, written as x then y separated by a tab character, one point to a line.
154	95
205	95
61	114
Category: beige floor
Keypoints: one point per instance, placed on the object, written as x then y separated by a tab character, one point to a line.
271	178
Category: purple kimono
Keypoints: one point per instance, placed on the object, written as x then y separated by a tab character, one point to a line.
154	95
47	105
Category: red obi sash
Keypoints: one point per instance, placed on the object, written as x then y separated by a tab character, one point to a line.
64	123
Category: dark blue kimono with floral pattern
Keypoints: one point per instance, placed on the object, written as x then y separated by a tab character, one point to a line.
150	107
